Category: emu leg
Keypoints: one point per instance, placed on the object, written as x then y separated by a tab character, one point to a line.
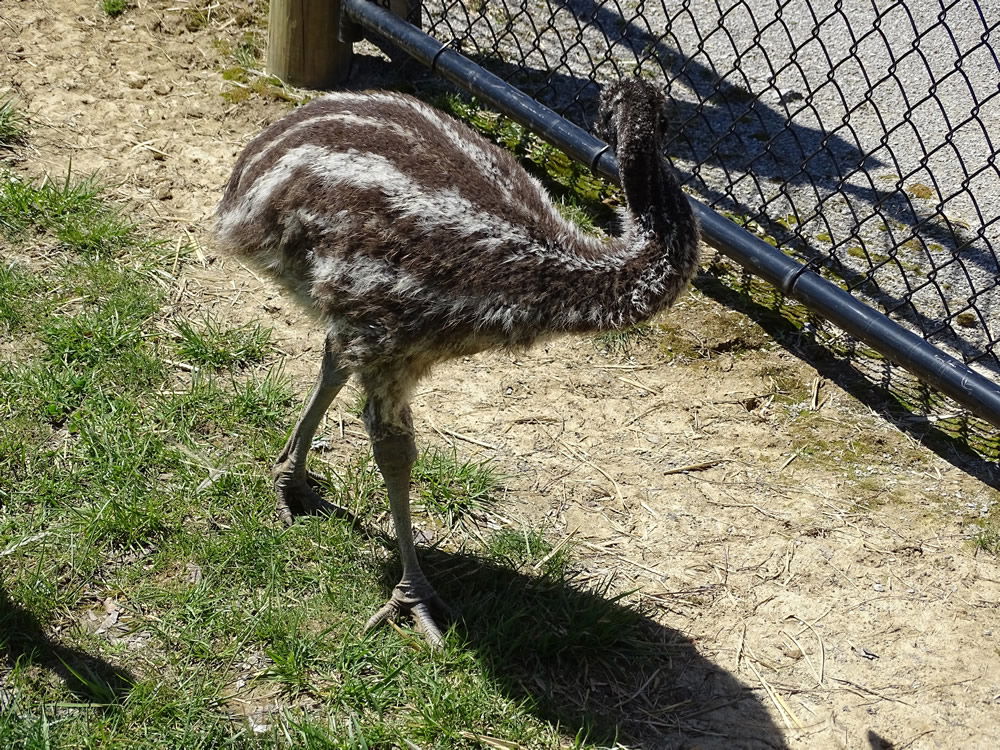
413	595
291	480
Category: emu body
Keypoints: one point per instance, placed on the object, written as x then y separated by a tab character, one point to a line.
415	240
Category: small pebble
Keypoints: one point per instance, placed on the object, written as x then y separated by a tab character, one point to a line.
136	80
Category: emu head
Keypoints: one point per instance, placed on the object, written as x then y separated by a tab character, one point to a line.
631	112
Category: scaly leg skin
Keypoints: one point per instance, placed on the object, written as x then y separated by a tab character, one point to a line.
291	480
394	455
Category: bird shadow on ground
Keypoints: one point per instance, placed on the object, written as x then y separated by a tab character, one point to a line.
590	664
24	642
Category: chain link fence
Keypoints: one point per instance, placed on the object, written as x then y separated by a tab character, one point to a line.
855	135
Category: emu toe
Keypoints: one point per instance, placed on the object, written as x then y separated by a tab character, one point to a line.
421	603
298	498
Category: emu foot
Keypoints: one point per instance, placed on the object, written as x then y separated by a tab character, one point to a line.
421	603
296	497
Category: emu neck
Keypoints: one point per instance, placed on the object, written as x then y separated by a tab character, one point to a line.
649	265
654	198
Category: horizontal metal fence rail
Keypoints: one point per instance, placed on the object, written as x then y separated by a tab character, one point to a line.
952	377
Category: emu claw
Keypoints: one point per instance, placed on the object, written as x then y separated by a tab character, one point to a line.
406	600
298	498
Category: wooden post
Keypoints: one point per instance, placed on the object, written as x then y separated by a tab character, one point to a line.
302	44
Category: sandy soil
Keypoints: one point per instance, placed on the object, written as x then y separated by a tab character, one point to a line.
816	556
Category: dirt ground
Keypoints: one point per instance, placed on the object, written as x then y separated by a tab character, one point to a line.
811	550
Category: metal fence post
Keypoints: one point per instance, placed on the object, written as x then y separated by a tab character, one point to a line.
303	48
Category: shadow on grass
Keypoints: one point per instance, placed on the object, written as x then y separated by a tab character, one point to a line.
89	678
594	667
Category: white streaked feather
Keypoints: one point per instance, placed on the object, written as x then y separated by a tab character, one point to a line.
348	118
434	210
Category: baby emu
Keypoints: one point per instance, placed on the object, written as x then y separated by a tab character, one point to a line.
415	240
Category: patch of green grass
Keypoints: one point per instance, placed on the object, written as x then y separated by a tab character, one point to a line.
17	288
622	341
919	190
235	74
237	95
988	540
565	178
356	405
751	226
209	343
872	257
580	214
71	212
244	65
451	489
863	464
256	410
249	50
524	548
52	392
13	125
265	87
109	333
787	387
987	537
262	401
197	15
356	485
298	652
964	319
114	8
719	331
